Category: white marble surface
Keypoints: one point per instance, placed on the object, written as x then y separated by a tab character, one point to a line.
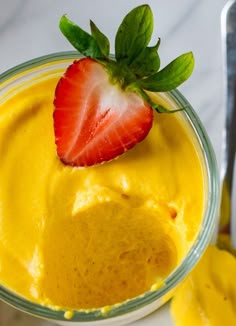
29	29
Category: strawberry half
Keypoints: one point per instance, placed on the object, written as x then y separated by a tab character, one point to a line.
102	108
95	120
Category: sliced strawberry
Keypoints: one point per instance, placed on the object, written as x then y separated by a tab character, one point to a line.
94	119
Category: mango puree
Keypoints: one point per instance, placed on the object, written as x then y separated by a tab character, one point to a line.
82	238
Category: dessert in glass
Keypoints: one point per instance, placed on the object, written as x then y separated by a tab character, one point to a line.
106	243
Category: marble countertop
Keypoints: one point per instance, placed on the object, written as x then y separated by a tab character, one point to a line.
29	29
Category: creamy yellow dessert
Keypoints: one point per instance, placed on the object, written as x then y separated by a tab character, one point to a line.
207	297
82	238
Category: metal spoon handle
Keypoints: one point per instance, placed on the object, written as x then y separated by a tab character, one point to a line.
228	173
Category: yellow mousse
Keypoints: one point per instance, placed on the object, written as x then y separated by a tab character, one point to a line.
207	297
90	237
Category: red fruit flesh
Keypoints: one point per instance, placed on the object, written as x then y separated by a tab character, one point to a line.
94	119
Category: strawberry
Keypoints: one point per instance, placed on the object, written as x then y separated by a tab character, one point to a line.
96	121
102	108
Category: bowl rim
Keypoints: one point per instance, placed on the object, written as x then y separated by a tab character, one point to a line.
203	238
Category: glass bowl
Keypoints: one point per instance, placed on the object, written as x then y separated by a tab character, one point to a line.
142	305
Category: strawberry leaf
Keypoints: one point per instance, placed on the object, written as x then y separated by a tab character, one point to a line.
101	39
147	63
80	39
158	107
134	34
174	74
